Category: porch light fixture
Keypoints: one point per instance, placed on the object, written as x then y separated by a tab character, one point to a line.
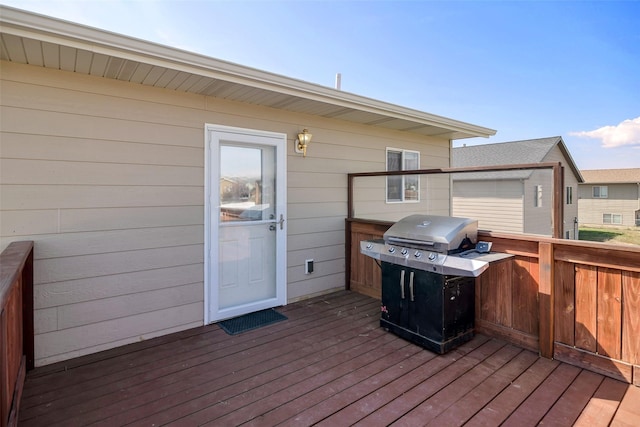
304	138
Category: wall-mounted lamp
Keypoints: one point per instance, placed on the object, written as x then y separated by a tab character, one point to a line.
304	138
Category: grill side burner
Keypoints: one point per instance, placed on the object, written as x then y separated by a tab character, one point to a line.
428	290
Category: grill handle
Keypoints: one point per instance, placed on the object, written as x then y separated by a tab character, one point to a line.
411	286
410	242
402	284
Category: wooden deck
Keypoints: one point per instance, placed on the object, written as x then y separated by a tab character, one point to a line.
328	364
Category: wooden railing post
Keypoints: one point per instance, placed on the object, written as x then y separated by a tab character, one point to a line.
347	254
558	201
347	231
16	327
28	334
546	303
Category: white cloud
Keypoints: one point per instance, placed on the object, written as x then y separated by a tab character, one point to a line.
625	133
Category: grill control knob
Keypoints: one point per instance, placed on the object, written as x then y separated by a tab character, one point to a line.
404	251
392	249
433	256
418	254
369	245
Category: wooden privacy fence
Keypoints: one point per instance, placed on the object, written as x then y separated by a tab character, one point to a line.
597	308
575	301
16	326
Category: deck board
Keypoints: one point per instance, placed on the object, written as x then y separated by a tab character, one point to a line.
397	408
628	413
329	364
571	404
603	405
258	364
351	408
538	403
449	395
476	399
501	407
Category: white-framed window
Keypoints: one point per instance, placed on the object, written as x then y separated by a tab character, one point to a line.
405	188
600	191
611	218
537	196
569	195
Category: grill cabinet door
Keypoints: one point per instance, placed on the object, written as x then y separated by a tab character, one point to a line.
426	308
394	294
459	300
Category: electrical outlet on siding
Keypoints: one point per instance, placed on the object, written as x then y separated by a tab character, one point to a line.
308	266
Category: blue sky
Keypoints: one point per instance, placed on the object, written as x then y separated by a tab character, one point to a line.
526	69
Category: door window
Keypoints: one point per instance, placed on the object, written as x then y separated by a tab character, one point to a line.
243	182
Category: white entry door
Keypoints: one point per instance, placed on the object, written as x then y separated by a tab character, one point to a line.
245	224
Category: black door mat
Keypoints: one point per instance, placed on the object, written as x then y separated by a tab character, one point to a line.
250	321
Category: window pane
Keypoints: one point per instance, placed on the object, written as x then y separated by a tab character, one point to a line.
241	181
394	160
411	160
600	192
411	188
537	196
394	188
403	188
606	218
394	183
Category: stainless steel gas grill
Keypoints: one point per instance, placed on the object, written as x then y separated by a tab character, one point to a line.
429	243
428	290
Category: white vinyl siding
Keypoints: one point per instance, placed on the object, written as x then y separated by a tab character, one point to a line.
622	199
538	219
497	205
107	177
494	201
570	181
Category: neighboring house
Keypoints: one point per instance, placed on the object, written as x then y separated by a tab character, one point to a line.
515	201
114	158
610	197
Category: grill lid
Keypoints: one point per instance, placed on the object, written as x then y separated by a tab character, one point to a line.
439	233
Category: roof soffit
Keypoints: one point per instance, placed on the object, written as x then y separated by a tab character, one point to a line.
33	39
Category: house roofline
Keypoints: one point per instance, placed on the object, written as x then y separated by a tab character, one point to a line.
572	163
30	25
559	141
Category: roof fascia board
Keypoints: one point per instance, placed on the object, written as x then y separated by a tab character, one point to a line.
572	164
40	27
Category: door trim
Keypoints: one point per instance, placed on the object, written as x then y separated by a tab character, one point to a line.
212	193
